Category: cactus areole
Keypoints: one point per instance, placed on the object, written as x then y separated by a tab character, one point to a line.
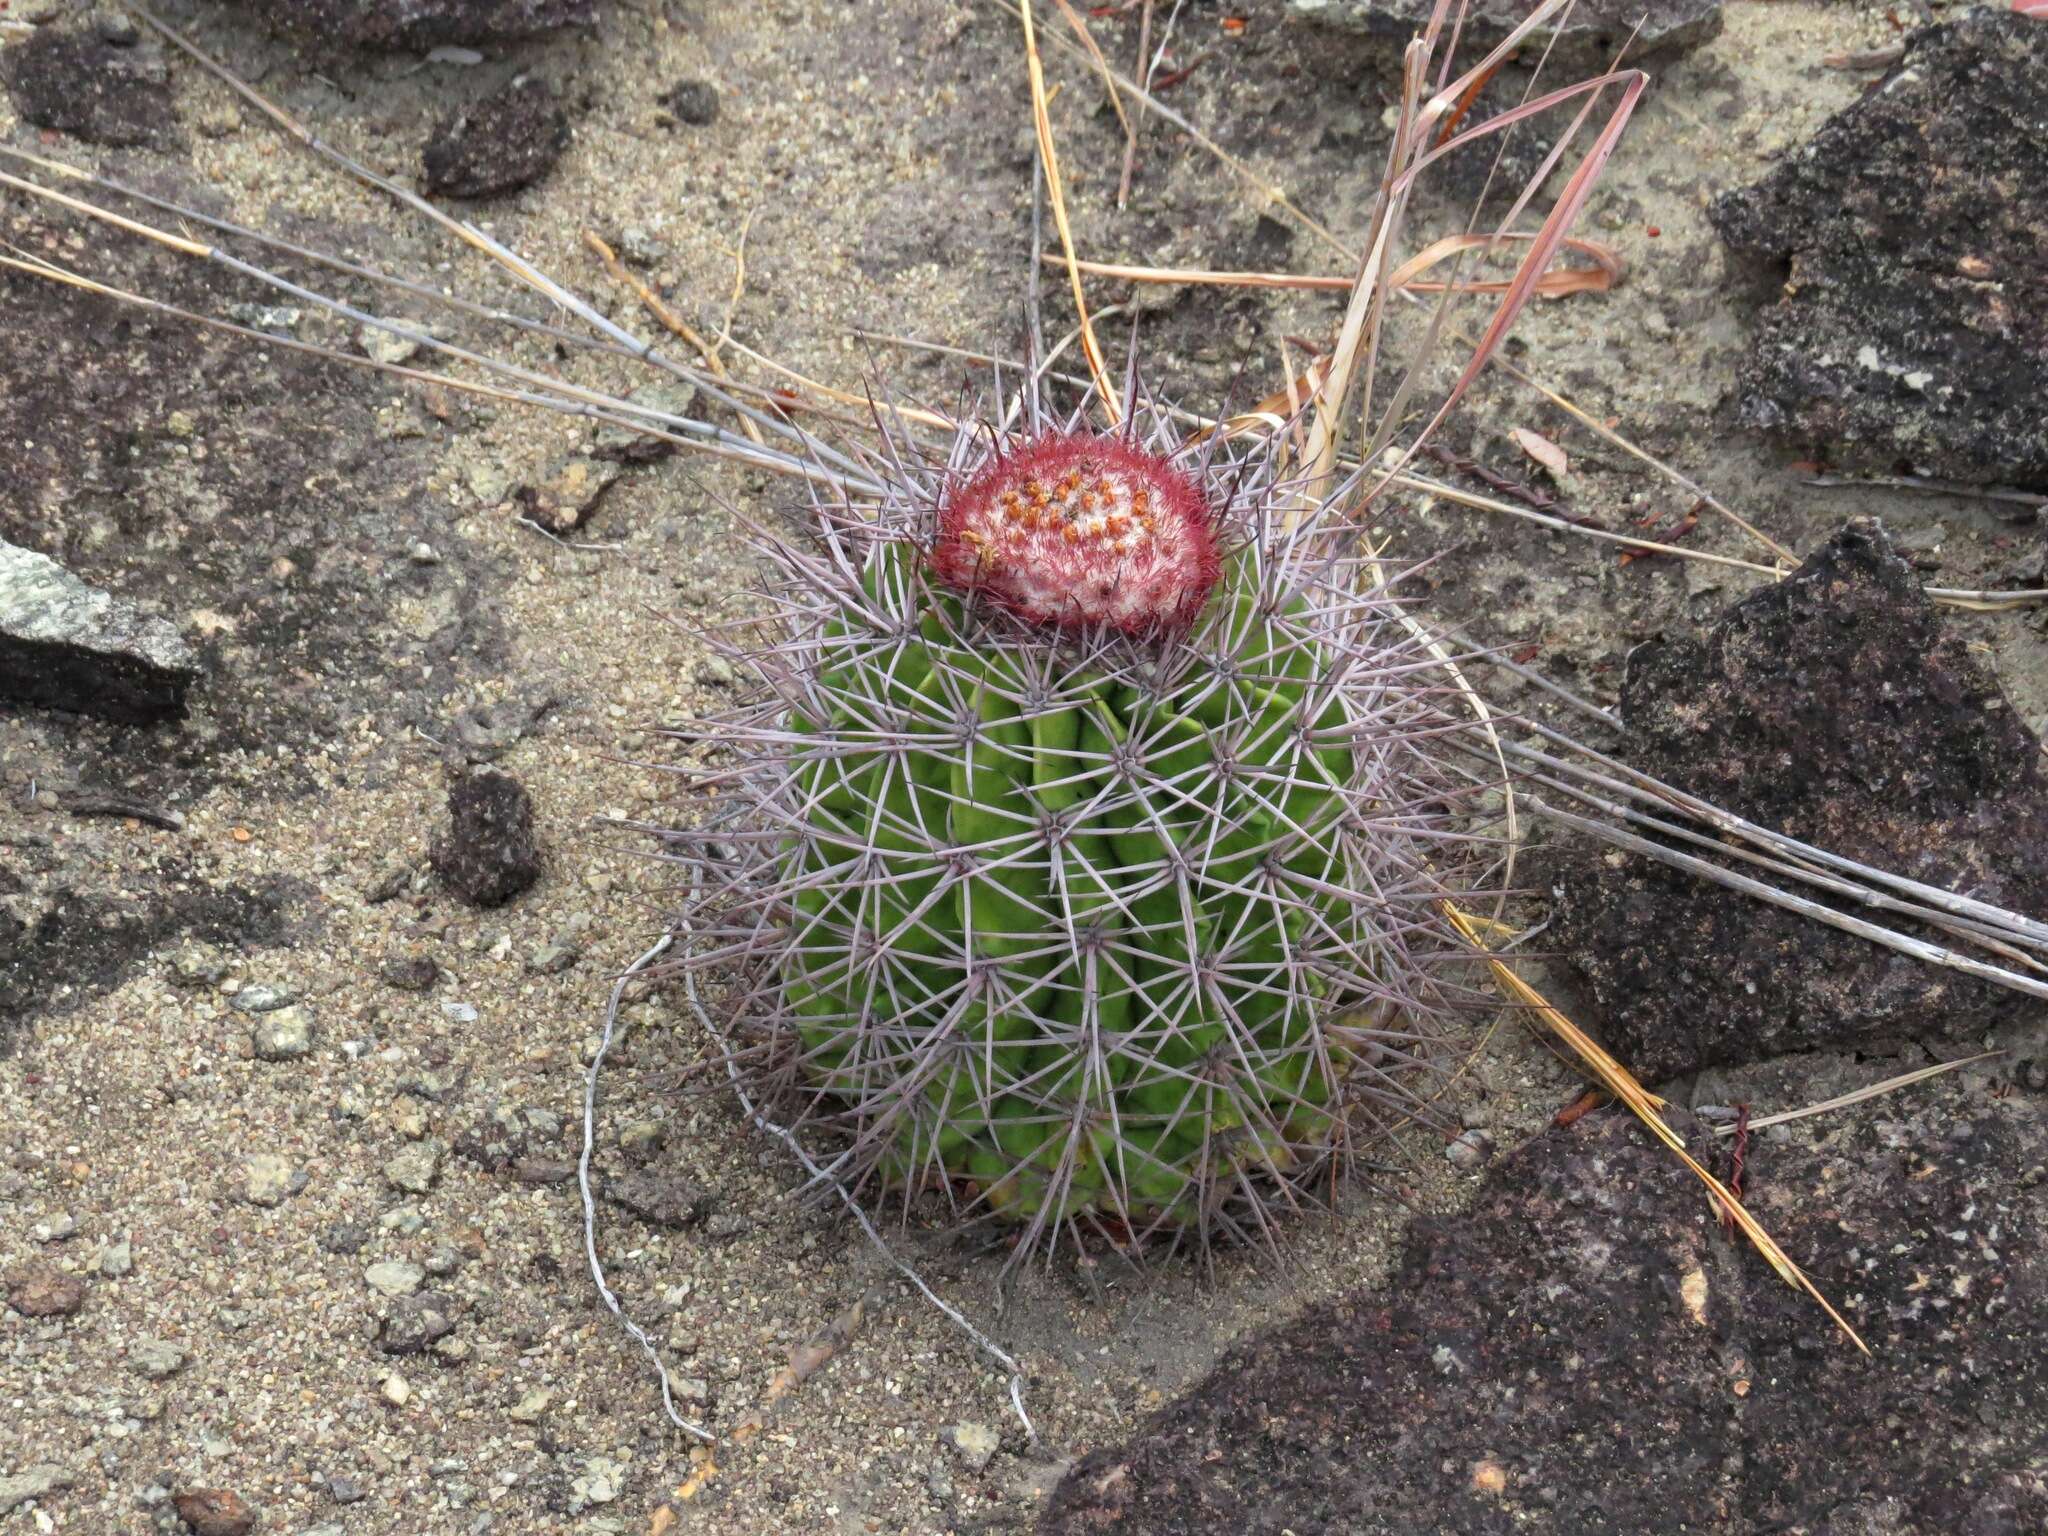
1078	860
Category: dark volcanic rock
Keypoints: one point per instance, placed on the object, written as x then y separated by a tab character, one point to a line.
422	23
488	854
68	645
1586	1351
1592	35
78	82
1837	708
503	143
1914	329
692	101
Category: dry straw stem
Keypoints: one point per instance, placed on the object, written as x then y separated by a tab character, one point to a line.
1041	120
587	404
659	308
1275	196
1271	194
1598	278
1844	1100
1621	1082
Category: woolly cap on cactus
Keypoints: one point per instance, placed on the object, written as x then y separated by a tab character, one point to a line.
1082	530
1079	858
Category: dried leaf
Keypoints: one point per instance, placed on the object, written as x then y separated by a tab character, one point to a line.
1542	450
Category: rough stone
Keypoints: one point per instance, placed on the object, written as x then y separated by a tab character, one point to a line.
692	101
421	24
663	1199
1586	1350
263	998
1591	36
269	1180
394	1278
531	1407
417	1169
415	1322
975	1444
488	854
67	645
76	81
1834	706
37	1290
485	732
505	142
672	397
1913	328
565	497
507	1134
157	1359
284	1035
214	1512
33	1482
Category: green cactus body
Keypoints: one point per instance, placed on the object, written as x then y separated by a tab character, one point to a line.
1095	878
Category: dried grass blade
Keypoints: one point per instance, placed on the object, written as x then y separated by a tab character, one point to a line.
1041	119
1645	1105
1601	277
1844	1100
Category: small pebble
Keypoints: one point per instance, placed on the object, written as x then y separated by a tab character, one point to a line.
36	1290
531	1406
1469	1150
396	1390
214	1512
55	1229
117	1259
157	1359
692	101
263	998
416	1170
975	1444
394	1277
285	1035
269	1180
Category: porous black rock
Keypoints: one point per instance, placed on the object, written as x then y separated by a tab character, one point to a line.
67	645
418	24
1585	1350
506	141
1912	330
78	81
692	101
488	854
1835	706
1589	36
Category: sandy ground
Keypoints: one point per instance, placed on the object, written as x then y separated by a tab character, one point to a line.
877	159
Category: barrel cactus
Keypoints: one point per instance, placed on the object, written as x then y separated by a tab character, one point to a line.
1079	858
